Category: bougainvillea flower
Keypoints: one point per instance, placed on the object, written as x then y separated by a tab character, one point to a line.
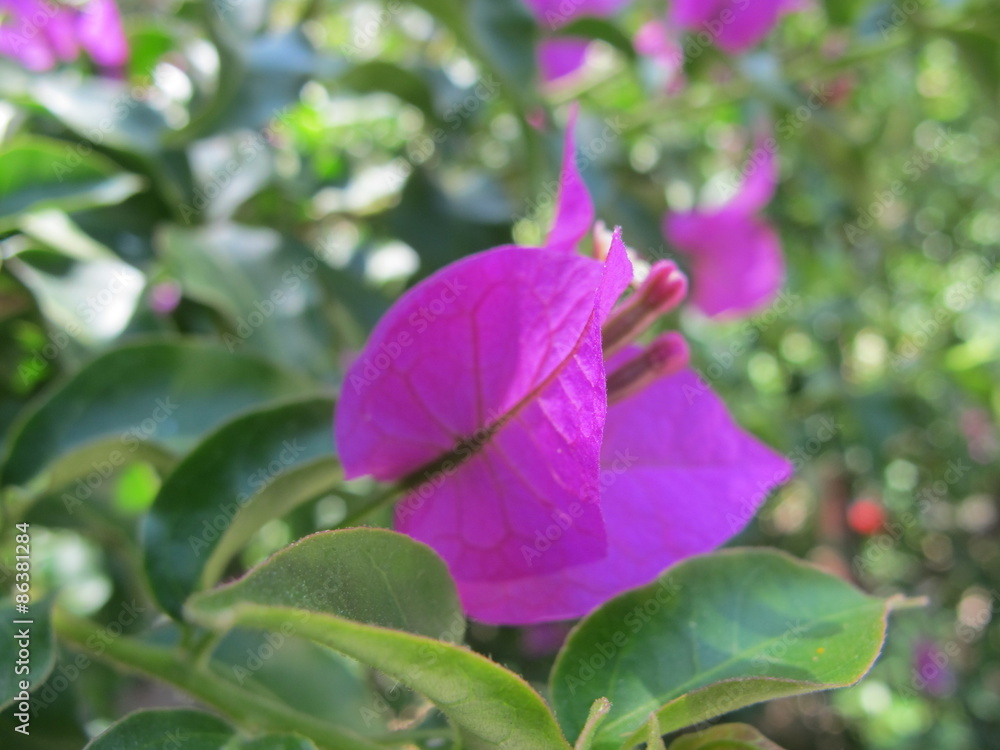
561	56
505	389
656	42
736	259
40	34
932	670
732	25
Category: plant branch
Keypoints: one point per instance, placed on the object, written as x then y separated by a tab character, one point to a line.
246	708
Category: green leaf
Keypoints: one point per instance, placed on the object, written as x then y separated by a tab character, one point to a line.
163	729
842	12
114	117
980	54
103	112
40	647
266	287
378	75
255	467
713	634
725	737
505	34
387	601
304	674
38	172
259	80
424	203
159	394
86	293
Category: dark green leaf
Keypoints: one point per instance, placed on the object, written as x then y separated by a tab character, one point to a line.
163	729
713	634
114	117
162	393
266	287
254	468
505	33
378	75
842	12
45	173
725	737
425	204
383	599
258	81
39	646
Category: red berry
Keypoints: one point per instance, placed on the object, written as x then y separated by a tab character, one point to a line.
866	517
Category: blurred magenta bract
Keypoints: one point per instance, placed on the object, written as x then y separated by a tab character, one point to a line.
738	265
732	25
562	56
40	34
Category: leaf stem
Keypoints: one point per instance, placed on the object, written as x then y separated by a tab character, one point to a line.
654	740
246	708
381	500
595	718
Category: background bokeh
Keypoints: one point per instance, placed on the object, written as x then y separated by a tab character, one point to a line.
270	176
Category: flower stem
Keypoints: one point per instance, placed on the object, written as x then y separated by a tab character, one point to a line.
383	499
248	709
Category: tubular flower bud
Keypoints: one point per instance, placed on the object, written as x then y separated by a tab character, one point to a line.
662	291
667	355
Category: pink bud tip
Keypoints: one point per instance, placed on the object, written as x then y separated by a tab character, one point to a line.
664	288
164	297
666	355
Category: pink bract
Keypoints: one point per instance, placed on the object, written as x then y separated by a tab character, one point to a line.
485	388
737	263
559	57
39	34
732	25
